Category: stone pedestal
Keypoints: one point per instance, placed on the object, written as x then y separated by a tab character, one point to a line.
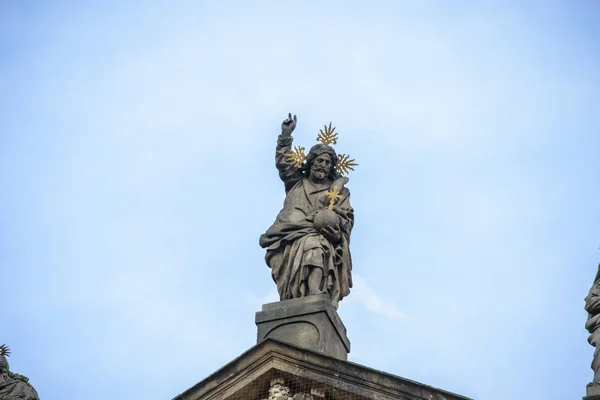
309	322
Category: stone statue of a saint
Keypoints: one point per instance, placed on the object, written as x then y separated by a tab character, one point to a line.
13	386
592	306
308	245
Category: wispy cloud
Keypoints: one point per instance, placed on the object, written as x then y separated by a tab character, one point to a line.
372	300
258	301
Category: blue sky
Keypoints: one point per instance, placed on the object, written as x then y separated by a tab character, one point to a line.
136	175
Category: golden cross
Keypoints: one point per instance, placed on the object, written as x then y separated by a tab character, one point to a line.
334	195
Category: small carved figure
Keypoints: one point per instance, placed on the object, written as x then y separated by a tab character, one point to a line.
13	386
278	391
308	245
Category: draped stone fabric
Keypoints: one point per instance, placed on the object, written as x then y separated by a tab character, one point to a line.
293	244
14	386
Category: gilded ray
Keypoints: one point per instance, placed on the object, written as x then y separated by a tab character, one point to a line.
344	164
296	156
4	350
328	136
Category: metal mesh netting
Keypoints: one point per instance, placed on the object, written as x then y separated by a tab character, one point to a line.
281	386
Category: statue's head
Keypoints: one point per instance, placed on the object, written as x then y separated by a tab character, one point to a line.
279	392
4	351
595	289
4	367
320	163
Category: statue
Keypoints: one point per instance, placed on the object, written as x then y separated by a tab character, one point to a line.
308	245
13	386
278	391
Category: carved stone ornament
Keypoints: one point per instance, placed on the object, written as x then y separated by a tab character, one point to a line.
278	391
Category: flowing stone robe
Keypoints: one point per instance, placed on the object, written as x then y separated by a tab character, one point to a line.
293	244
15	386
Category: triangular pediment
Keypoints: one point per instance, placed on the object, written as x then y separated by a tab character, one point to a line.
248	378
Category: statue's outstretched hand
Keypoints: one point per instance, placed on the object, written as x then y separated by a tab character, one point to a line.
288	126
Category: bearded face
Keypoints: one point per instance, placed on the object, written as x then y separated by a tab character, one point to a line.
321	167
4	372
3	365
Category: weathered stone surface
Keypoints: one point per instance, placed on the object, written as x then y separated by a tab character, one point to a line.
308	322
249	377
592	391
278	391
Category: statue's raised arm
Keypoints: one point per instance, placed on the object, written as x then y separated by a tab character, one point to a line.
288	125
287	165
